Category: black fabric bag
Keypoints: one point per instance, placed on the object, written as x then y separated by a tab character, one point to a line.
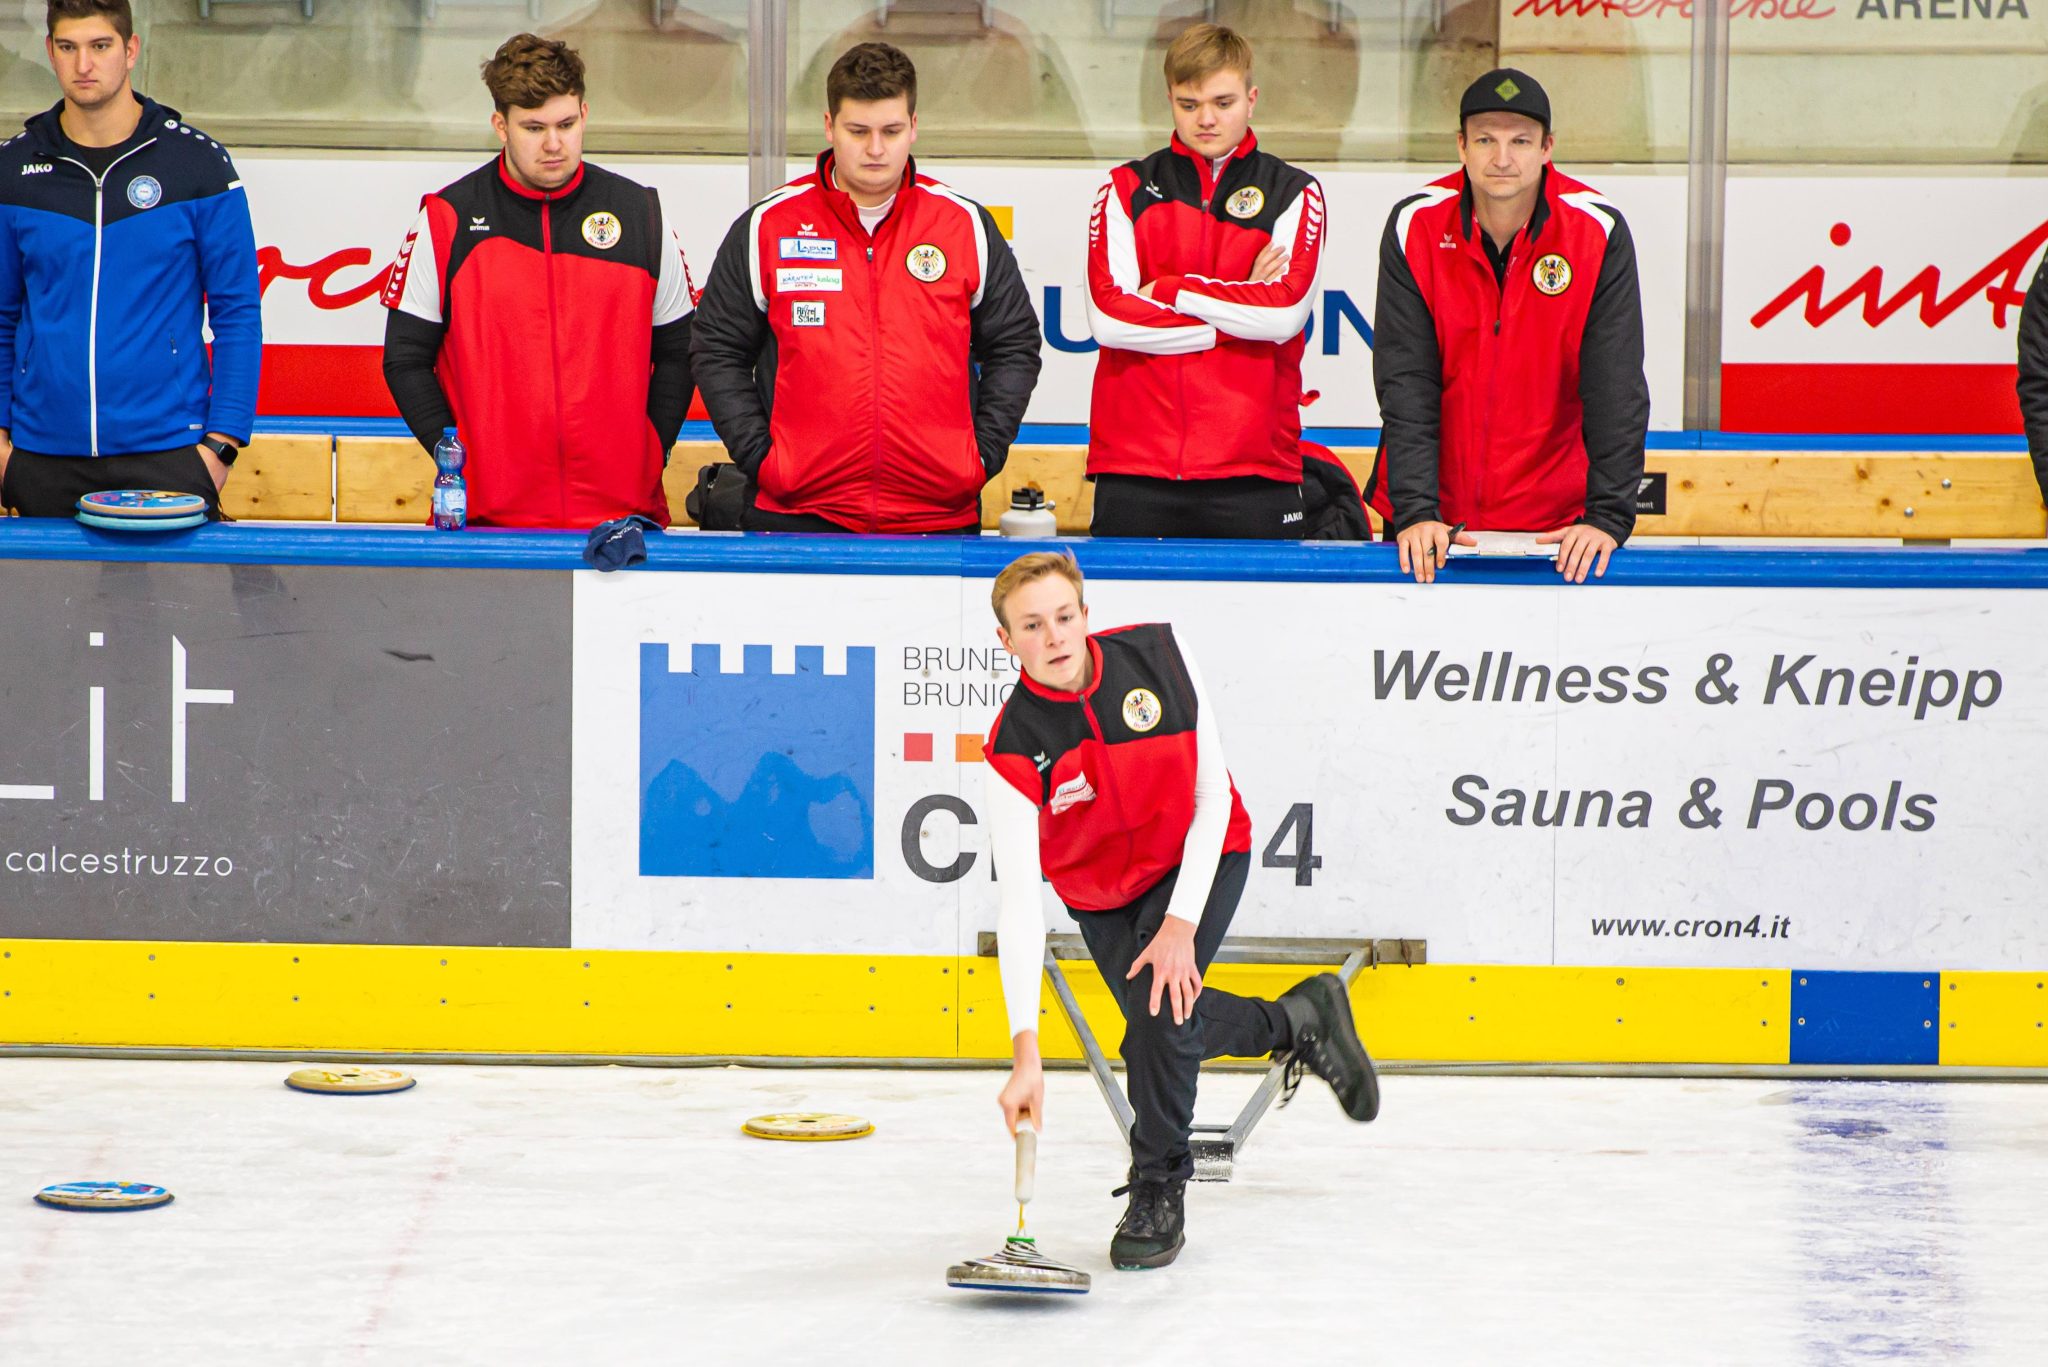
1332	507
719	498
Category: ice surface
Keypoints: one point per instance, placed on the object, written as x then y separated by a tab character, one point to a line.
596	1216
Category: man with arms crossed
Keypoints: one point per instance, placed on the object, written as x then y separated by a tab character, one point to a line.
124	232
866	344
1107	776
1202	261
1508	349
541	307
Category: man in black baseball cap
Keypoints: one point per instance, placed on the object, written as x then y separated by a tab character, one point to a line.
1508	349
1505	90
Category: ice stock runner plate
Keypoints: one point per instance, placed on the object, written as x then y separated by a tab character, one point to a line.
101	1196
807	1125
142	524
346	1080
141	504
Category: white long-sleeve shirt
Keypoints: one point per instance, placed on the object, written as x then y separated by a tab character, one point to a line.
1013	838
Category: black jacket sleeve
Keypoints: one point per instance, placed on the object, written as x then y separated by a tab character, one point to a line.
1613	390
670	386
2033	384
1408	374
729	344
1006	350
411	345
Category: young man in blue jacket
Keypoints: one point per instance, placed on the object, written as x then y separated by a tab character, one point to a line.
123	232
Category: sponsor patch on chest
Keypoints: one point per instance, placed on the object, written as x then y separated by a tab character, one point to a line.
807	280
807	313
810	249
1072	793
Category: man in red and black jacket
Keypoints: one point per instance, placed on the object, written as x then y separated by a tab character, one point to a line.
1107	778
1202	260
866	344
1508	349
541	307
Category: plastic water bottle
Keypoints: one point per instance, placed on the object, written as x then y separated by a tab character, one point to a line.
451	496
1030	514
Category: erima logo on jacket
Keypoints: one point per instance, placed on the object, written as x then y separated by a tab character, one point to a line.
1072	793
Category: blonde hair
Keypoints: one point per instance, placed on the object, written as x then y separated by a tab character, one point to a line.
1029	569
1205	49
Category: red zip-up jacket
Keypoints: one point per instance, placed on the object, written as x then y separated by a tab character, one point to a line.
1111	769
1202	380
873	380
1515	404
552	332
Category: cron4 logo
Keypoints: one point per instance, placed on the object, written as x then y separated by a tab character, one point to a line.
2000	282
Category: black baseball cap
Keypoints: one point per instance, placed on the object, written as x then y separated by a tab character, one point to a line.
1505	90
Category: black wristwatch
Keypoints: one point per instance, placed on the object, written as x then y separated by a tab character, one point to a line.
223	451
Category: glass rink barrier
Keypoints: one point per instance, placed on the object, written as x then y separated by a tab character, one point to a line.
1691	913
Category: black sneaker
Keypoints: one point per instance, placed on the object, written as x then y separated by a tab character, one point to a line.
1153	1228
1326	1044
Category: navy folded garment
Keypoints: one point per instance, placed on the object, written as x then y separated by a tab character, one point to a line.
617	544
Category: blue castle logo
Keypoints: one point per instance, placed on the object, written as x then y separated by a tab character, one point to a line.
757	774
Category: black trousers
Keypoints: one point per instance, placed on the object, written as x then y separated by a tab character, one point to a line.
50	486
1245	508
1161	1059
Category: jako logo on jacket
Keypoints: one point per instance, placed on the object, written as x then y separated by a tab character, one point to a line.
106	285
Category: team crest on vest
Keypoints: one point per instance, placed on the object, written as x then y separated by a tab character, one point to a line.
601	230
926	262
1141	709
1552	274
144	192
1246	203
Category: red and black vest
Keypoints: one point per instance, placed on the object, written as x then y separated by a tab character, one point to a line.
1512	443
1111	769
548	300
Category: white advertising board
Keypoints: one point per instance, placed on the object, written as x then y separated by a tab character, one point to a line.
1816	778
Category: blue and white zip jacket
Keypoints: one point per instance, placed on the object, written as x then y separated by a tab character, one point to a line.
106	283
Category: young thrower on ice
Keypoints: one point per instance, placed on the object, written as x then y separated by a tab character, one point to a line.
1107	776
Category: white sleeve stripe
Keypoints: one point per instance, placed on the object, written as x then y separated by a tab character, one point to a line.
1120	242
672	287
754	239
1596	207
1251	322
1020	916
1434	195
1120	246
422	291
1121	336
981	245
